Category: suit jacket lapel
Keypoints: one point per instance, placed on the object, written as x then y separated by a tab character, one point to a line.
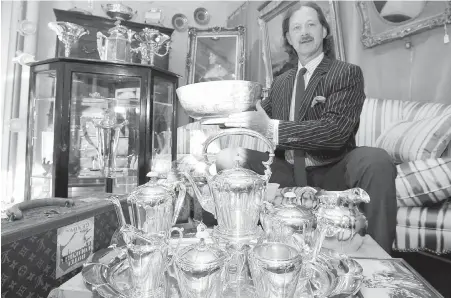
288	93
307	98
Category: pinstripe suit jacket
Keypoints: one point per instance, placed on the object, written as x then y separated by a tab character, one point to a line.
326	131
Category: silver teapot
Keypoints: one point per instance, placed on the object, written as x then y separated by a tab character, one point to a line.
235	195
116	47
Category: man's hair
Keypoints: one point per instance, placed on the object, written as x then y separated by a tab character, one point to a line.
328	42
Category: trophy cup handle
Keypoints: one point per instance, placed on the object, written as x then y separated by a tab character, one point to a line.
84	122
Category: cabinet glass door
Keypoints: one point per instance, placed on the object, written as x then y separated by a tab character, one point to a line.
42	132
163	93
104	133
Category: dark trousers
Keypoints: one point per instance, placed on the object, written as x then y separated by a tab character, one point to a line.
368	168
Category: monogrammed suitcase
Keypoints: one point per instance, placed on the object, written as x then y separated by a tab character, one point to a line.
49	244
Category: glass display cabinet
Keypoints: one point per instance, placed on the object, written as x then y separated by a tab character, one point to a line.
96	126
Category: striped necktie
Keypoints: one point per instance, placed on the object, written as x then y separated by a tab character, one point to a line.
300	176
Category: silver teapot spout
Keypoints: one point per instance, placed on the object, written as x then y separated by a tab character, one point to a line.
205	198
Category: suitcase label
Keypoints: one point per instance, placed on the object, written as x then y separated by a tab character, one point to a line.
75	243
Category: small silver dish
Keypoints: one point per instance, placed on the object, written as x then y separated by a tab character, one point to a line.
180	22
201	16
119	11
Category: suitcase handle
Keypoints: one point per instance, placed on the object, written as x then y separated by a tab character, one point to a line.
15	212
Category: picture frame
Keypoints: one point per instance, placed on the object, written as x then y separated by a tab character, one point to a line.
271	14
216	53
378	28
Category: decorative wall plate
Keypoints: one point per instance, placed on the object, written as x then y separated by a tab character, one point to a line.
201	16
180	22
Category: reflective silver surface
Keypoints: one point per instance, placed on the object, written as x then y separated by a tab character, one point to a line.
107	272
107	136
236	194
275	269
218	98
116	46
118	11
151	42
200	270
68	34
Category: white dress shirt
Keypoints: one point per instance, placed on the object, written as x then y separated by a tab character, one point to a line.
310	66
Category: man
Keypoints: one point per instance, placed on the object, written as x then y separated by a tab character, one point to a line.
312	115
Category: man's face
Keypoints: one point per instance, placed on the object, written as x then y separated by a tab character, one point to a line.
306	33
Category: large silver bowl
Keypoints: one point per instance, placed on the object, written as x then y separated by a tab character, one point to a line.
216	99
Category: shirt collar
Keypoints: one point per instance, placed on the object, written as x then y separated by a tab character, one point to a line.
312	64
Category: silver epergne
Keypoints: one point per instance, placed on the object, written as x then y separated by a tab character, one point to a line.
151	41
68	34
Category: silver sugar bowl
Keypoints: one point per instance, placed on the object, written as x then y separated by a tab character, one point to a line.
199	270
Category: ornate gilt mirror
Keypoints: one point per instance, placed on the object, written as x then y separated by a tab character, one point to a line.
386	21
215	54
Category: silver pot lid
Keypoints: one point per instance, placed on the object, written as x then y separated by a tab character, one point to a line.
239	178
292	214
200	257
153	191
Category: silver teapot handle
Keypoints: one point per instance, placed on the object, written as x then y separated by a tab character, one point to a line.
248	132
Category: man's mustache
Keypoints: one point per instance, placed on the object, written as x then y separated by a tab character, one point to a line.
306	38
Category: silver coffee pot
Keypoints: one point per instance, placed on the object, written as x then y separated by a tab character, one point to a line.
116	47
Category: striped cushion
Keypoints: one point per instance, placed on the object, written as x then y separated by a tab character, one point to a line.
377	115
413	110
426	228
423	182
408	141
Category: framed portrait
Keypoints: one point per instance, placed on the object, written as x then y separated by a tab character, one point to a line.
274	57
385	21
215	54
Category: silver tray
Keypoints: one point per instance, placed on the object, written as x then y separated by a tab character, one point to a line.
107	273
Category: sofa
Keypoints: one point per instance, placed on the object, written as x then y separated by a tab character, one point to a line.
416	135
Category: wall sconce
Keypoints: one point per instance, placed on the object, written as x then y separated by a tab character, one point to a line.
23	59
26	28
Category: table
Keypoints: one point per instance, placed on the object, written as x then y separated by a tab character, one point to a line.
75	288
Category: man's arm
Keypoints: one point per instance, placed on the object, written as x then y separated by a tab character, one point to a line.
339	119
267	104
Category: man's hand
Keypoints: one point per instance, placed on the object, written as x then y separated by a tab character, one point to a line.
256	120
